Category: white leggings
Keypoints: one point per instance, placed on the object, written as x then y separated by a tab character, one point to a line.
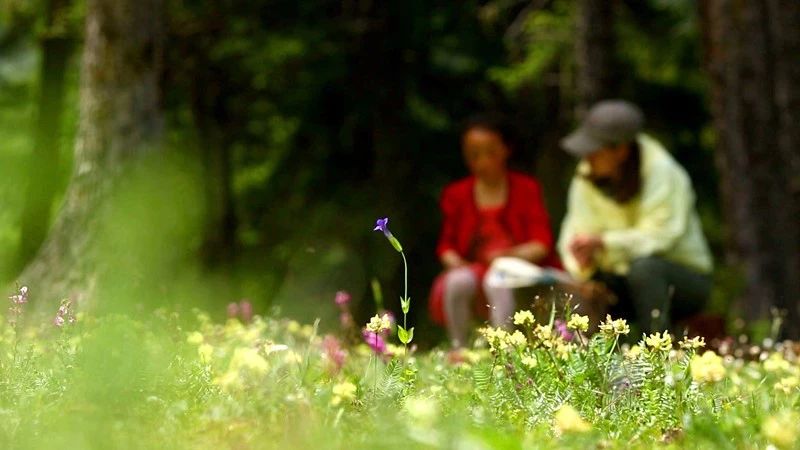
460	289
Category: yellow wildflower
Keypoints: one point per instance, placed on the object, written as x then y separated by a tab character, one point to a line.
529	361
782	430
545	335
377	323
343	391
707	367
233	327
659	341
229	380
421	410
578	322
787	384
775	363
516	339
496	337
472	356
202	317
195	337
246	358
614	328
567	419
292	357
633	352
307	331
205	352
693	343
251	334
524	317
293	327
395	350
564	349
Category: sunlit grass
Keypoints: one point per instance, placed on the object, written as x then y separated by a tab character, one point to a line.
169	380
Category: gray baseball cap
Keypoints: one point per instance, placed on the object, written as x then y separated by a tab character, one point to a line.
609	122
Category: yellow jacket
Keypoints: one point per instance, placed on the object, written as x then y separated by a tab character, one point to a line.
660	220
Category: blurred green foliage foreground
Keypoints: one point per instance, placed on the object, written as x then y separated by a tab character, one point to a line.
169	380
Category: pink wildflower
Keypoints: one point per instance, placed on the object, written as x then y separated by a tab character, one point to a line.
17	300
392	323
561	328
242	310
342	298
64	314
375	342
233	310
246	311
346	320
333	352
21	297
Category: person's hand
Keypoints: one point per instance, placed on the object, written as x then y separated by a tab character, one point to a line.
494	254
592	289
584	247
452	260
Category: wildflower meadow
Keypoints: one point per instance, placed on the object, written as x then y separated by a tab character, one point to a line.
182	380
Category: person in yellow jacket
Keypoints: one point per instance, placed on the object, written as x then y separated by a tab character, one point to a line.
631	224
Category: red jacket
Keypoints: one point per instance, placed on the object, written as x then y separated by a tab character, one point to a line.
524	215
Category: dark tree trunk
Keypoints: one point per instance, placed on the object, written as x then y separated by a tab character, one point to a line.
554	167
753	59
120	117
595	49
595	79
210	117
43	171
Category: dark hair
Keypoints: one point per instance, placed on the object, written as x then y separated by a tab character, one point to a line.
496	123
629	184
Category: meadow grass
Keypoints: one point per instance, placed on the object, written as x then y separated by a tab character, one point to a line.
165	380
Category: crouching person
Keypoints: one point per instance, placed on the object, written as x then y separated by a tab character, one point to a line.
493	213
631	225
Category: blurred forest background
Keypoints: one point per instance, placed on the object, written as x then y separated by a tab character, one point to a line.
195	152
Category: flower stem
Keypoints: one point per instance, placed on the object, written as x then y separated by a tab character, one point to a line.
405	299
405	275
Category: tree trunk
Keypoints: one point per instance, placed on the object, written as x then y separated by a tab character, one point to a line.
752	58
595	52
120	117
210	117
43	171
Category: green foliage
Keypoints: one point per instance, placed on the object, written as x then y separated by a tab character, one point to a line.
192	383
547	41
324	107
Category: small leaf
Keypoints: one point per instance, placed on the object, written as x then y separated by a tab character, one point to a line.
402	334
395	243
405	304
410	335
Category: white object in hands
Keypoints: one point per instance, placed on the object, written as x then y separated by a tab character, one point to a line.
509	272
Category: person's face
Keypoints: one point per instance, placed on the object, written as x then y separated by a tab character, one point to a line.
607	162
485	153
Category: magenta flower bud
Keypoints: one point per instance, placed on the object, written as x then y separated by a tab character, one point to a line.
561	328
342	298
346	320
233	310
334	352
246	311
374	341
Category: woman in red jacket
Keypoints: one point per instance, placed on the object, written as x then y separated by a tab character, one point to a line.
491	213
